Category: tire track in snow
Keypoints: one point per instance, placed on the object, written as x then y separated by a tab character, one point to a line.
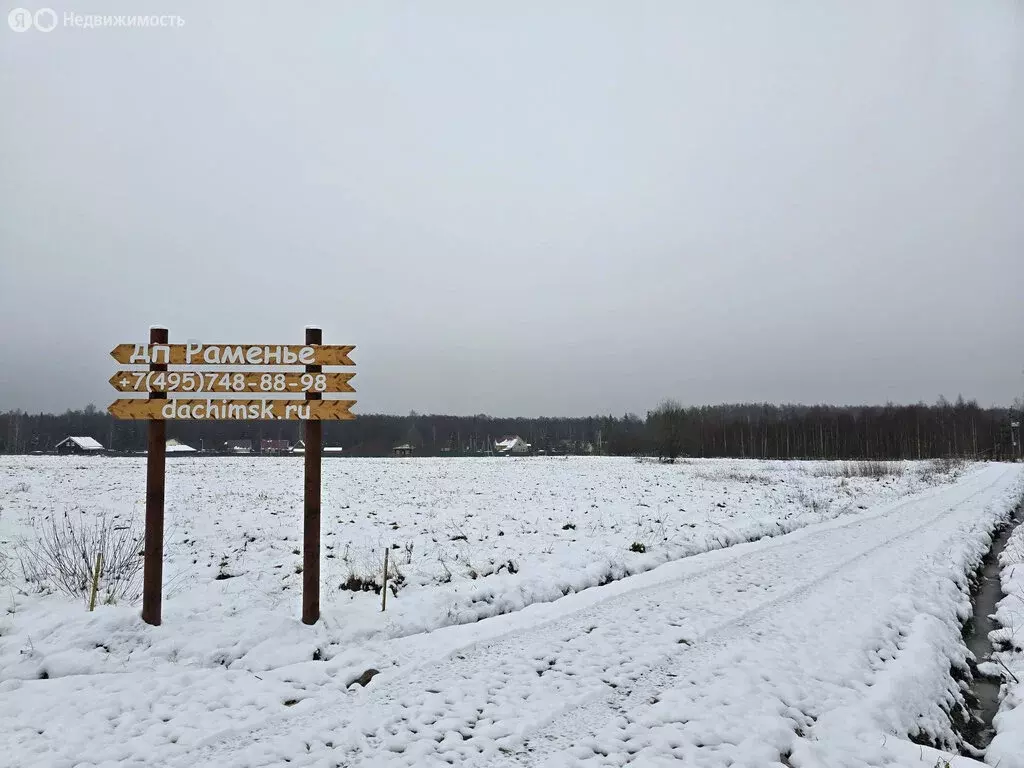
630	706
546	686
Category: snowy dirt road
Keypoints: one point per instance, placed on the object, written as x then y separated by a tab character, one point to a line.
810	649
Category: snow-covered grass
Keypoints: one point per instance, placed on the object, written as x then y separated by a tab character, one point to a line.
1007	748
470	538
818	645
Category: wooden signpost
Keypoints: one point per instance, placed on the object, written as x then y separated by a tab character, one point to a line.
214	409
267	394
232	354
241	382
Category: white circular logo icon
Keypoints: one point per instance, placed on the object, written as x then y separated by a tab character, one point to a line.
20	20
45	19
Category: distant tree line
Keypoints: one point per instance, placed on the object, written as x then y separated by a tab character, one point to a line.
920	431
959	428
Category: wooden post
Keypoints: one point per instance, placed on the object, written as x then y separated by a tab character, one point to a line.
311	502
95	581
384	588
156	446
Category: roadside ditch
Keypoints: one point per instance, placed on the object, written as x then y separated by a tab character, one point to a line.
982	695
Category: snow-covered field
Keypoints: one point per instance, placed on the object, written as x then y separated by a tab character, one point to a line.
1007	748
470	538
738	655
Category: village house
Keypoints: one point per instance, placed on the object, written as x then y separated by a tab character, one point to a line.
274	447
79	446
512	446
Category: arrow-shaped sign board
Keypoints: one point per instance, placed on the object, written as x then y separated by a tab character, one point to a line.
230	410
267	393
233	354
241	382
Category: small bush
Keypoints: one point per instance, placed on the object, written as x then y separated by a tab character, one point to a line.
636	546
359	584
875	469
62	556
949	464
943	469
752	478
372	582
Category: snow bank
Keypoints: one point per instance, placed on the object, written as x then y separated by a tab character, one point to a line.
918	693
1007	748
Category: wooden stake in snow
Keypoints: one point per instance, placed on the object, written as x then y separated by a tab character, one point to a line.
384	589
156	459
313	435
95	581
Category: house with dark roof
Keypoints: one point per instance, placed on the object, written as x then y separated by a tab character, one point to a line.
274	447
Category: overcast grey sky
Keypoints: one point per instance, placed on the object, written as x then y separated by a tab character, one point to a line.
532	208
